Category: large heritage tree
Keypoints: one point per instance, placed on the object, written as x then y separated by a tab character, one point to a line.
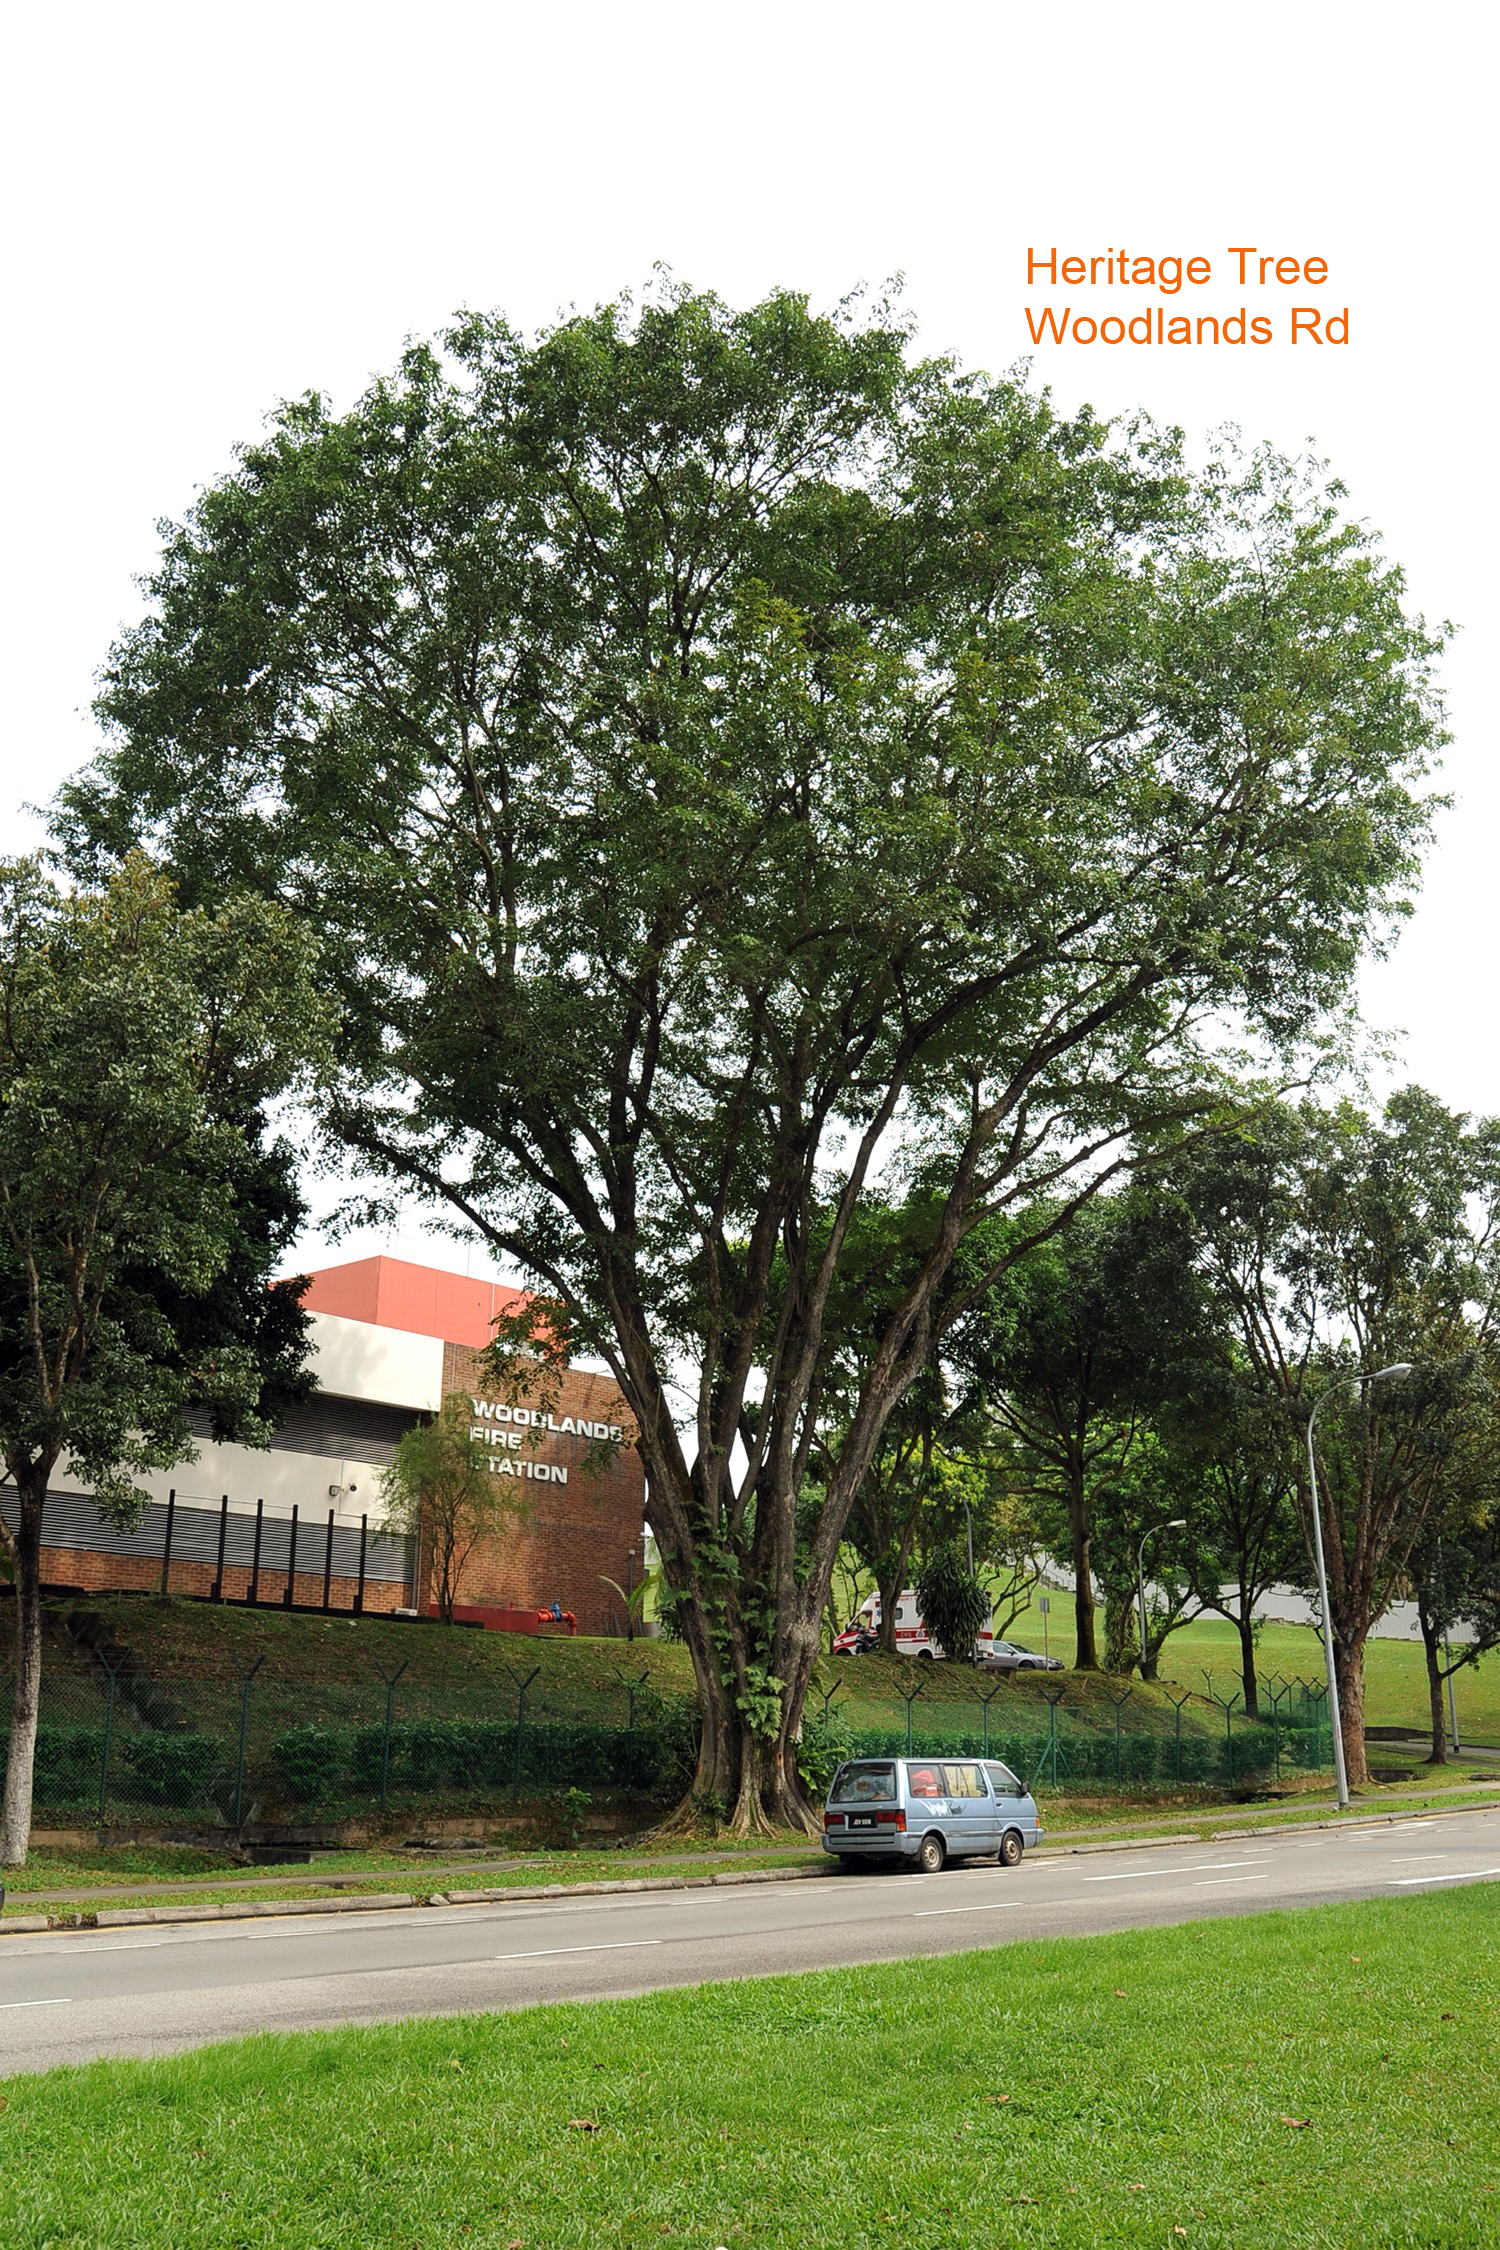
735	765
143	1207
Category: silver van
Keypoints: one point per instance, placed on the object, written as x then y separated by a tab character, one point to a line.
926	1811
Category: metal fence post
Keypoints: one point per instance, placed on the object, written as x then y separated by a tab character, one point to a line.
909	1700
1228	1710
239	1760
109	1728
1052	1699
359	1598
984	1701
1276	1693
1177	1704
253	1591
328	1562
1317	1696
827	1696
166	1544
632	1689
390	1679
1119	1702
522	1686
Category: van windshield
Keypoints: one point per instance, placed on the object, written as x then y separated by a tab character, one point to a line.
864	1785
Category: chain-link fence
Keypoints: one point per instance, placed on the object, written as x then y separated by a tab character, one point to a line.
118	1746
1112	1741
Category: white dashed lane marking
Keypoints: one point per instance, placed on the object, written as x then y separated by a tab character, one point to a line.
934	1913
547	1952
1468	1875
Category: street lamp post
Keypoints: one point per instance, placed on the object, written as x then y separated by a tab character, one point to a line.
1335	1716
1173	1523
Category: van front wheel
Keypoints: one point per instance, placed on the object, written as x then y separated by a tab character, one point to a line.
930	1855
1011	1849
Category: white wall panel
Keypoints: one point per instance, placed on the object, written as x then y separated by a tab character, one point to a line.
355	1359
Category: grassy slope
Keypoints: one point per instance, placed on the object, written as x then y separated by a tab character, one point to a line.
466	1670
1043	2094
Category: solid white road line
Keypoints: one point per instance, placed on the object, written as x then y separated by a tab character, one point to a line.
1217	1882
61	2002
1470	1875
1196	1867
546	1952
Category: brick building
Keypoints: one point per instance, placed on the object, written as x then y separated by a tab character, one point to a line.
303	1519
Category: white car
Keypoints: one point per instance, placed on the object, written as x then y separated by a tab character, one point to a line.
1009	1656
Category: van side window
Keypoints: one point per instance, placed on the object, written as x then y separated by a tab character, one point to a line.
1005	1782
965	1781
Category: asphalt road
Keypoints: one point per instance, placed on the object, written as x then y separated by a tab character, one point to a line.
66	1998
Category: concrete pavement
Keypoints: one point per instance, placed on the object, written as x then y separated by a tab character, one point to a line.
69	1997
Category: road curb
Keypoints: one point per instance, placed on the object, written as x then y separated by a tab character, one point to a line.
126	1917
518	1893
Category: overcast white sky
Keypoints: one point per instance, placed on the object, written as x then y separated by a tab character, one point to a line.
212	208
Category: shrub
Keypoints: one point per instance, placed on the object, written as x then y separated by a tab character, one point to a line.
171	1769
312	1761
67	1763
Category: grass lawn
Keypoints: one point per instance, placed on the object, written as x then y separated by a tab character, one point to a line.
1339	2088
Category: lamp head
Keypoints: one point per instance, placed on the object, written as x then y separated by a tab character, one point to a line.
1177	1523
1397	1367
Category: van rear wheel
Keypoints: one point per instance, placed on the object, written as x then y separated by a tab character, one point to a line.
1011	1849
930	1855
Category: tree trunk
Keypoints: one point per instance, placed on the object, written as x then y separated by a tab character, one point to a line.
1248	1681
746	1780
1120	1632
1349	1670
1087	1657
888	1590
15	1818
1432	1642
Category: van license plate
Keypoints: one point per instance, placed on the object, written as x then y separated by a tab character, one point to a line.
861	1820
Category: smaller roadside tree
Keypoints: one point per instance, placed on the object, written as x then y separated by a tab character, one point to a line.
1072	1349
1143	1492
952	1603
1344	1244
442	1490
1237	1481
1455	1580
142	1208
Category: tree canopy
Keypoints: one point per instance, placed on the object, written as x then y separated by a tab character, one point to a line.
735	765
